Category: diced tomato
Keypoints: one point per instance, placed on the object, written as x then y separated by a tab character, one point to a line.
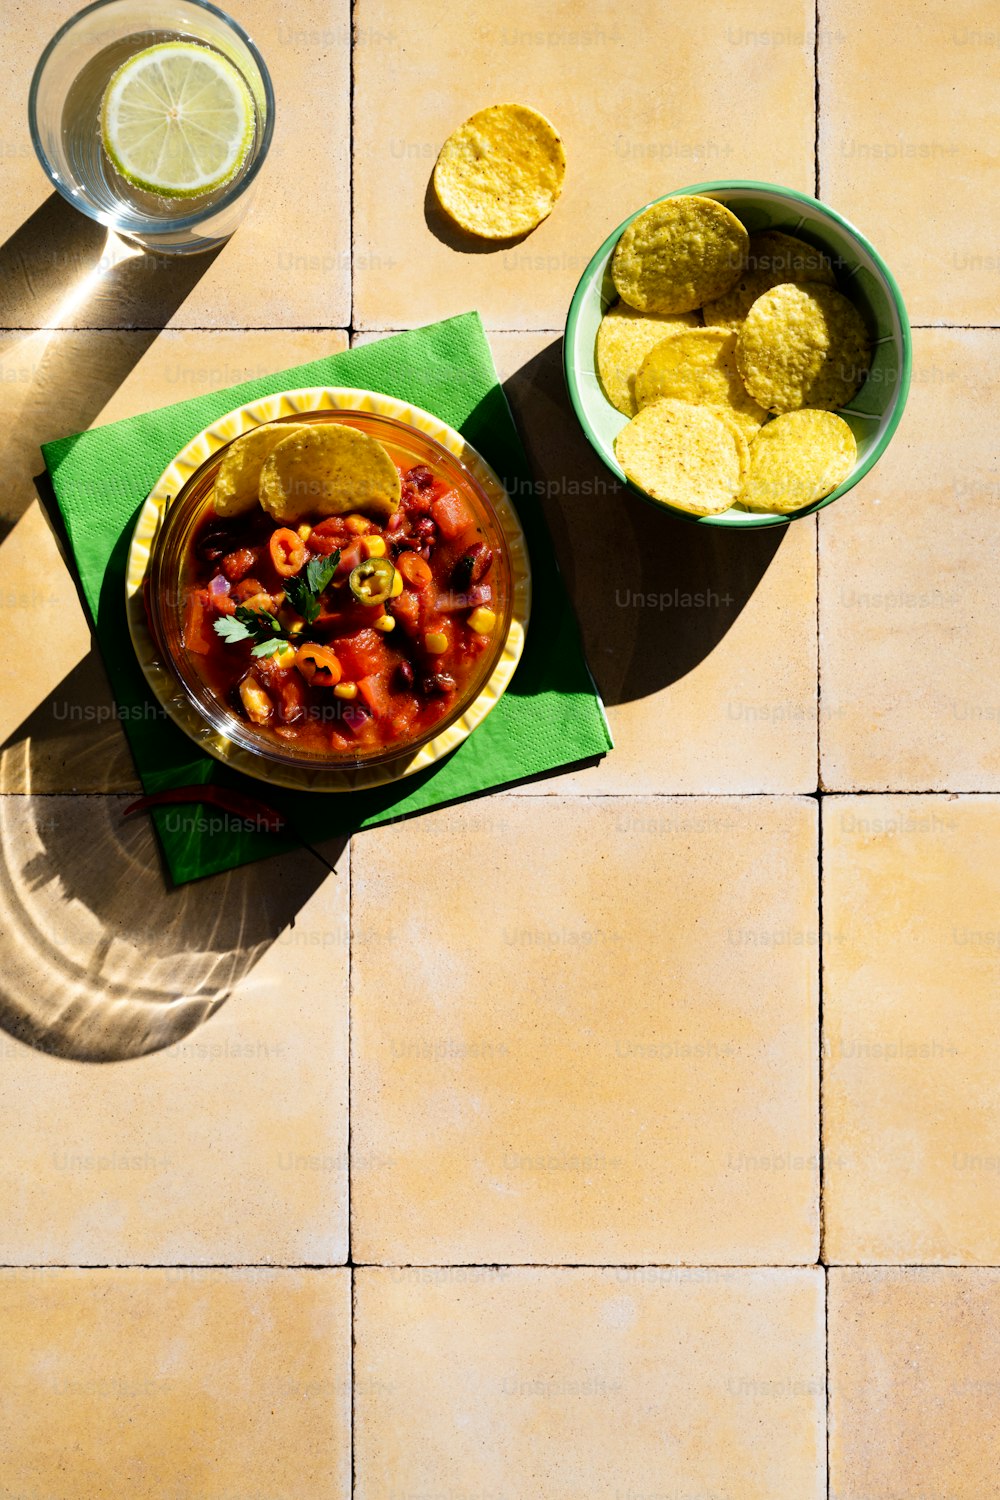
197	633
406	609
361	654
404	716
323	545
237	564
291	699
375	694
246	588
288	552
327	536
452	515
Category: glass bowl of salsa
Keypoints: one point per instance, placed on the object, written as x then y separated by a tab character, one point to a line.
353	640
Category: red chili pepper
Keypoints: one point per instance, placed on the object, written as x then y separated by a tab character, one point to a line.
237	803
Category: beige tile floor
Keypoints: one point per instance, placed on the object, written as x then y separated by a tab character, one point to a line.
632	1133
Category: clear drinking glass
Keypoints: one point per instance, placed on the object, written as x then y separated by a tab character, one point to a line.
64	116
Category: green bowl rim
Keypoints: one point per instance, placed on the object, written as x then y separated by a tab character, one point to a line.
902	388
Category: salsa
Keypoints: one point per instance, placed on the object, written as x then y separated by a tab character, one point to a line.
346	633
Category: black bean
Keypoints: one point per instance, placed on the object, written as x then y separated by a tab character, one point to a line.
471	567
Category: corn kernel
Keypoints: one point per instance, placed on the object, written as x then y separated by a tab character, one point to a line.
346	690
357	525
296	627
397	585
436	642
304	531
373	546
385	623
482	620
285	657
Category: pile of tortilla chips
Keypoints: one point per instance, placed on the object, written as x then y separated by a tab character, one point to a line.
735	405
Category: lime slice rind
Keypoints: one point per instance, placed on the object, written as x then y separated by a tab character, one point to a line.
177	120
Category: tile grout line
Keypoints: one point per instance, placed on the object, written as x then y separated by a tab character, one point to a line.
820	799
350	160
816	171
324	1267
826	1376
821	1177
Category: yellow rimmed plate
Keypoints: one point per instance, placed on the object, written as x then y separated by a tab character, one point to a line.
168	688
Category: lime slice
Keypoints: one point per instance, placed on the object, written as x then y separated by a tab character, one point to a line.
177	119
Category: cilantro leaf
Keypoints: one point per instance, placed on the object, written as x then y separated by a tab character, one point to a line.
269	648
259	622
231	629
257	625
303	590
320	570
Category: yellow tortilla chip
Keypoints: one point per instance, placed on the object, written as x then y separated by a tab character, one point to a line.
727	417
788	258
683	455
238	480
500	173
772	259
797	459
679	254
328	470
698	365
802	346
624	339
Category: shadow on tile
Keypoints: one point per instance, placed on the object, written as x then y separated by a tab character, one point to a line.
102	960
73	741
654	595
451	234
60	270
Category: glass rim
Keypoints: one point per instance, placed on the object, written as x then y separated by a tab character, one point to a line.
153	226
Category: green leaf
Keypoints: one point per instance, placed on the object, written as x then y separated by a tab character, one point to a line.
303	590
231	629
251	625
302	600
268	648
320	570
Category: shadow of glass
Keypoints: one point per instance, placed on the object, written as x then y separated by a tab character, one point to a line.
451	234
654	595
73	741
79	308
102	961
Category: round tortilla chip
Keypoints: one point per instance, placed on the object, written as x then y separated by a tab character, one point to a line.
728	419
679	254
788	258
624	339
802	346
684	455
500	173
238	481
329	470
773	258
797	459
698	365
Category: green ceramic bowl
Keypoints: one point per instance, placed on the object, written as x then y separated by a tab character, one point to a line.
862	275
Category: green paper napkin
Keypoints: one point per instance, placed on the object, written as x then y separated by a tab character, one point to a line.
550	715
